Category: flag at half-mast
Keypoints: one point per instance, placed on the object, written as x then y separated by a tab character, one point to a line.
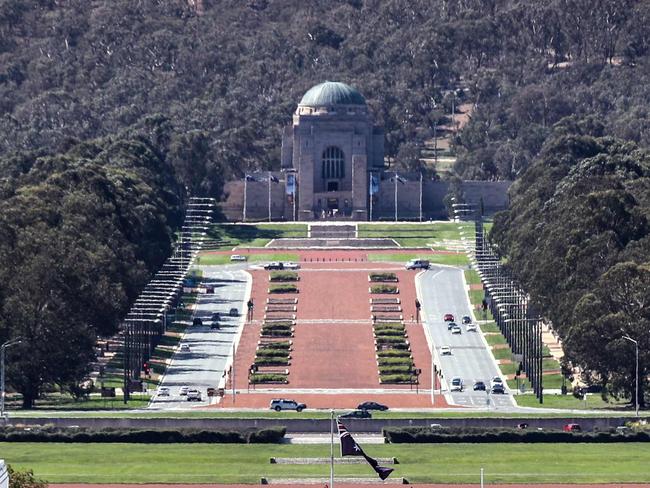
349	447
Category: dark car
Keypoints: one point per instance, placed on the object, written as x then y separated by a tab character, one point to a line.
498	389
467	319
479	386
451	325
371	406
274	265
197	321
572	428
522	426
214	325
356	414
216	317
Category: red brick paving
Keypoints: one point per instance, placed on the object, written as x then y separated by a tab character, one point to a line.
334	355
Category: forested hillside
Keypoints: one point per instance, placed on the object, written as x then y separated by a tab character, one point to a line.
229	79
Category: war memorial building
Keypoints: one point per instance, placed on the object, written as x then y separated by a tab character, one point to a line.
332	168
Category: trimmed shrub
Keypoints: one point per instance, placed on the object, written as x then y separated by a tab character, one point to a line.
283	276
396	378
390	340
389	326
277	333
283	288
382	277
395	369
285	345
403	346
272	361
393	353
277	326
258	378
268	352
266	436
389	332
387	361
392	289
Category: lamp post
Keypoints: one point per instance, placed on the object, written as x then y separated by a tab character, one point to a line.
636	396
4	346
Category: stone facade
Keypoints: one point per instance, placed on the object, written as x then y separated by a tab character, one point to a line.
331	148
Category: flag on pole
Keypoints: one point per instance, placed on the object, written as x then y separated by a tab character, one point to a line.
291	184
399	178
349	447
249	177
374	183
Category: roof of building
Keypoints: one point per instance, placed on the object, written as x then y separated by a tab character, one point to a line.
332	93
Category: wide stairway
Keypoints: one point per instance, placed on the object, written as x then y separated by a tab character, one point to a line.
326	231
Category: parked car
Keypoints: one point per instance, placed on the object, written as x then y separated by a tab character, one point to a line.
197	321
193	395
215	326
467	319
451	325
211	391
233	312
479	385
572	428
449	317
372	406
456	330
445	351
417	264
185	348
471	328
356	414
183	390
291	266
163	391
280	404
274	265
215	317
238	257
456	384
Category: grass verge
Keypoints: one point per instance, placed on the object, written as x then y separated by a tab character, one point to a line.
224	236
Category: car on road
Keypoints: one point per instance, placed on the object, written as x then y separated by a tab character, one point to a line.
279	404
215	326
522	425
572	428
445	351
193	395
197	321
479	385
417	264
471	328
233	312
456	330
238	257
372	406
356	414
163	391
185	348
467	319
291	266
496	380
498	389
215	317
451	325
456	384
182	391
274	265
448	317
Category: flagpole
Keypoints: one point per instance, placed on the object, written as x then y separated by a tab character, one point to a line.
395	197
420	196
269	196
370	192
332	449
245	188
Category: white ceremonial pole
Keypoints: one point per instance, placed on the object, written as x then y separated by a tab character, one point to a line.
395	197
420	196
245	188
332	449
269	196
370	193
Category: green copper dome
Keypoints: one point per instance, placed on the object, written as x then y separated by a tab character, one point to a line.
332	93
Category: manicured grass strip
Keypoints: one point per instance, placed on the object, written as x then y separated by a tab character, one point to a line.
417	235
457	259
419	463
209	259
472	277
228	236
570	402
493	339
490	327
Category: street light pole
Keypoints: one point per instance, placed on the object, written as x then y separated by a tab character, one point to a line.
2	373
636	396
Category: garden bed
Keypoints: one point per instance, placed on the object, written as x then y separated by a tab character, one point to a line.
384	290
382	277
283	276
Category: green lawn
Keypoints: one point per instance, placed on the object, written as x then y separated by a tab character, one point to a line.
257	235
571	402
419	463
417	235
457	259
208	259
472	277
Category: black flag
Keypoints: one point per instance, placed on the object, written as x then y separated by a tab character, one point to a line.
349	447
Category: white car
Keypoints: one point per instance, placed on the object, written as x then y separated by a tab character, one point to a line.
163	391
456	384
193	395
471	328
291	266
496	381
445	351
456	330
183	390
185	348
238	257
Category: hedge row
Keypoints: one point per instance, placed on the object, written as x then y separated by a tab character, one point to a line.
382	277
283	276
427	435
268	352
276	333
397	378
258	378
273	434
393	353
391	289
389	326
275	345
391	340
395	369
389	333
283	289
278	325
383	361
272	361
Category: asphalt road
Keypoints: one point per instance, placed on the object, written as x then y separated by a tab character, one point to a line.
442	291
203	366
